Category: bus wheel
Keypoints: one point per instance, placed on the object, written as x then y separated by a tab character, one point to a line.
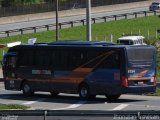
27	91
54	93
113	97
84	91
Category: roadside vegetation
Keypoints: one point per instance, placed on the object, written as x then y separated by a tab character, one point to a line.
157	93
13	106
141	26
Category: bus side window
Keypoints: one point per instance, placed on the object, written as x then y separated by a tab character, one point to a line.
42	58
25	58
76	57
112	61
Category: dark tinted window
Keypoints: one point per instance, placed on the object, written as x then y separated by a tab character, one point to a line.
42	57
77	58
111	60
125	42
103	59
26	58
140	54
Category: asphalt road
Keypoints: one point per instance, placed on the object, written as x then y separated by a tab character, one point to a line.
45	101
66	19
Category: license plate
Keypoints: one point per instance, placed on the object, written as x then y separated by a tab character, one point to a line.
140	83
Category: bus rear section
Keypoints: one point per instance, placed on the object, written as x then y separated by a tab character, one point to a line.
140	74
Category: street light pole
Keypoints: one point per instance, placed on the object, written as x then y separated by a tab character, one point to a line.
88	20
57	30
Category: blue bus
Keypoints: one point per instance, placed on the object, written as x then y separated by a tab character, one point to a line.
87	68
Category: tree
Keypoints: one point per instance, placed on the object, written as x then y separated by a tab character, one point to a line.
6	3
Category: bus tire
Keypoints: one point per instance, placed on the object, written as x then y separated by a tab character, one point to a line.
27	90
84	91
54	93
113	97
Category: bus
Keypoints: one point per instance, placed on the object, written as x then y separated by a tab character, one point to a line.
87	68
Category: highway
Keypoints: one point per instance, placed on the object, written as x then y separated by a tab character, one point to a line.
26	24
45	101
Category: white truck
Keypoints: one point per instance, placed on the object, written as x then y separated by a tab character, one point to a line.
131	40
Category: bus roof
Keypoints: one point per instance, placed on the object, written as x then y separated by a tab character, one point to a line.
81	44
76	42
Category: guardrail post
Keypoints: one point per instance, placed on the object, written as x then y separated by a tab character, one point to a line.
115	17
21	30
145	13
135	15
125	15
34	28
94	20
82	22
155	13
60	26
47	26
71	23
7	32
105	19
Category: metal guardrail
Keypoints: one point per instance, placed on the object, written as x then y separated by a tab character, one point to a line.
78	115
82	21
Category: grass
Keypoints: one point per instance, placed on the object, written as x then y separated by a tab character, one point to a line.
116	28
13	106
157	93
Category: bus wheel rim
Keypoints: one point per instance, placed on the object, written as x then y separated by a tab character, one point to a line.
84	92
26	88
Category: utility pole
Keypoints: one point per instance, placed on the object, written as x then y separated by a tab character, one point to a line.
57	26
88	20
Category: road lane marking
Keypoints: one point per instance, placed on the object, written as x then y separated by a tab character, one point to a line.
71	106
32	102
120	107
28	103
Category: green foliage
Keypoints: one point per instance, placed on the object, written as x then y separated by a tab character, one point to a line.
157	93
13	106
7	3
116	28
27	1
